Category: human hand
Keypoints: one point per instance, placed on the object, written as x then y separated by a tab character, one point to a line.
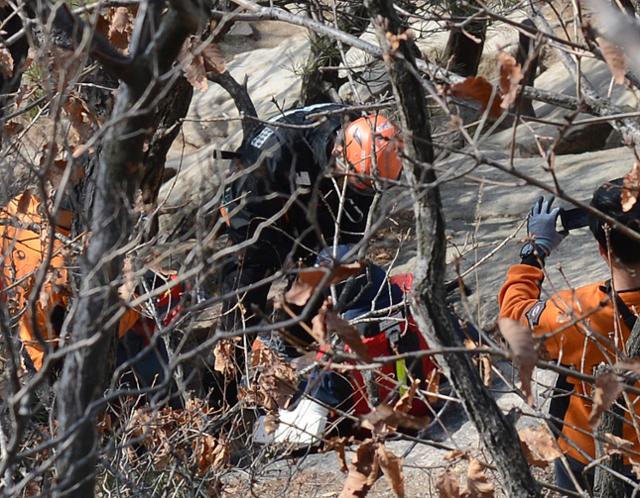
541	225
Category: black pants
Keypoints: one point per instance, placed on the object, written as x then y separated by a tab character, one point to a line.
149	368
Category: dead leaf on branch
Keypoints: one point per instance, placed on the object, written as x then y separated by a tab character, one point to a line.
197	59
391	466
615	59
403	405
454	455
606	392
614	445
319	325
210	453
510	78
520	340
116	25
447	485
363	471
82	120
271	422
383	417
6	63
12	128
224	354
338	444
480	90
348	334
308	280
538	446
478	484
395	40
276	383
631	188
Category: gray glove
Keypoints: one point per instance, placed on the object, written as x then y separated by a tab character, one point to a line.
541	225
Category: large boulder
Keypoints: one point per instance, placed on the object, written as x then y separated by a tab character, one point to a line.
581	137
213	123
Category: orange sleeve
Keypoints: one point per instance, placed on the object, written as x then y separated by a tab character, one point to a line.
520	292
519	299
128	320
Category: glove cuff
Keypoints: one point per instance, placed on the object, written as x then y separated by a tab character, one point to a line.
532	254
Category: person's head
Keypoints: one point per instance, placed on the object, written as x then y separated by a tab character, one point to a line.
608	199
368	149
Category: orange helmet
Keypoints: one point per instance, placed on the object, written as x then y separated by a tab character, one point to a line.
362	138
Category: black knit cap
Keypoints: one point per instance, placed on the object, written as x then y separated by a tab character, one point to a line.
608	199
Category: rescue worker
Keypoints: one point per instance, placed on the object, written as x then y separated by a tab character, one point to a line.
591	340
285	199
25	244
285	196
374	304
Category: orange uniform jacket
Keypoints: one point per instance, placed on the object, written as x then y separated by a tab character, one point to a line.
581	346
23	253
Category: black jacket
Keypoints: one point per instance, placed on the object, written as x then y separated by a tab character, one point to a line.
278	162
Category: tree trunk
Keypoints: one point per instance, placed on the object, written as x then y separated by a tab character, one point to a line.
497	433
465	45
605	484
118	177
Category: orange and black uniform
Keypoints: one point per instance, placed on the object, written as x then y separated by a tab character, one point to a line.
24	242
578	326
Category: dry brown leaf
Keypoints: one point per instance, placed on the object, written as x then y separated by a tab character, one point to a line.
119	20
614	57
447	485
6	63
209	453
83	121
454	455
338	444
538	446
309	279
363	471
213	58
271	422
631	188
484	361
12	128
614	445
276	383
319	326
510	77
197	60
384	415
478	484
224	354
606	392
193	65
348	334
391	467
117	26
479	89
395	40
520	340
403	405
